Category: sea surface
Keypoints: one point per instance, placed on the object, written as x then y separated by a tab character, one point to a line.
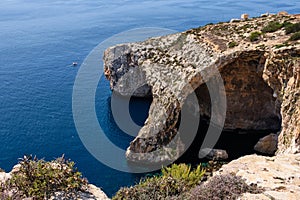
39	40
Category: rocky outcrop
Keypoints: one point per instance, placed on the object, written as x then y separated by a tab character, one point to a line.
279	176
93	193
282	73
260	77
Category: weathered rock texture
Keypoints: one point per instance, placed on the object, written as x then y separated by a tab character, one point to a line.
267	144
261	80
279	176
282	73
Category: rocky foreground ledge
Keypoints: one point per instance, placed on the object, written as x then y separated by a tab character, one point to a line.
279	176
259	62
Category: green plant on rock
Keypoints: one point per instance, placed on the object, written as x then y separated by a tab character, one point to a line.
292	28
272	27
173	181
232	44
295	36
40	179
277	46
254	36
185	173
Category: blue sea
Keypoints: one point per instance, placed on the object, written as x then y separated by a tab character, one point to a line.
39	40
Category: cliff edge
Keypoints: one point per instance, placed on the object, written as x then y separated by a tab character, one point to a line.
258	60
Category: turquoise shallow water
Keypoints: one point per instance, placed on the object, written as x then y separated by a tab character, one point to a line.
38	42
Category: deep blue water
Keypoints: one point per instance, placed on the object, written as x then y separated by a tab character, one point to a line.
38	42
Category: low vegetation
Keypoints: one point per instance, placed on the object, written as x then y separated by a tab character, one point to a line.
232	44
173	181
295	36
180	182
39	179
272	27
254	36
292	28
277	46
222	187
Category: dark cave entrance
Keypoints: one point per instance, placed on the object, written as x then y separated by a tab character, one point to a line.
237	143
252	111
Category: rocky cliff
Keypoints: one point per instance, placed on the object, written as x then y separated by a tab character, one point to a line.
259	67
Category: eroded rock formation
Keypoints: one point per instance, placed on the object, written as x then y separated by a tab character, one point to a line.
261	80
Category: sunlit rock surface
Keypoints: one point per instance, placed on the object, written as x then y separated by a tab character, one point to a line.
261	80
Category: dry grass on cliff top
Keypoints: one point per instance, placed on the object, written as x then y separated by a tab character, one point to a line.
264	32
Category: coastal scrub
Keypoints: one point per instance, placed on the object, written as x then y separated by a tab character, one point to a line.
254	36
173	181
39	179
227	186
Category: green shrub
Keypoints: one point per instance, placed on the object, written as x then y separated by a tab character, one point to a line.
183	172
254	36
40	179
272	27
277	46
295	36
174	181
221	187
292	28
232	44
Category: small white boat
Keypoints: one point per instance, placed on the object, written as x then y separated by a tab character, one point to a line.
74	64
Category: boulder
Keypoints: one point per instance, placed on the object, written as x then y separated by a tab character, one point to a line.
267	144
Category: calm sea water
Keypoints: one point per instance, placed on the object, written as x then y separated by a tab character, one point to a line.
38	42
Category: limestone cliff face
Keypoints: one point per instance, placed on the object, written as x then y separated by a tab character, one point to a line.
261	81
282	73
